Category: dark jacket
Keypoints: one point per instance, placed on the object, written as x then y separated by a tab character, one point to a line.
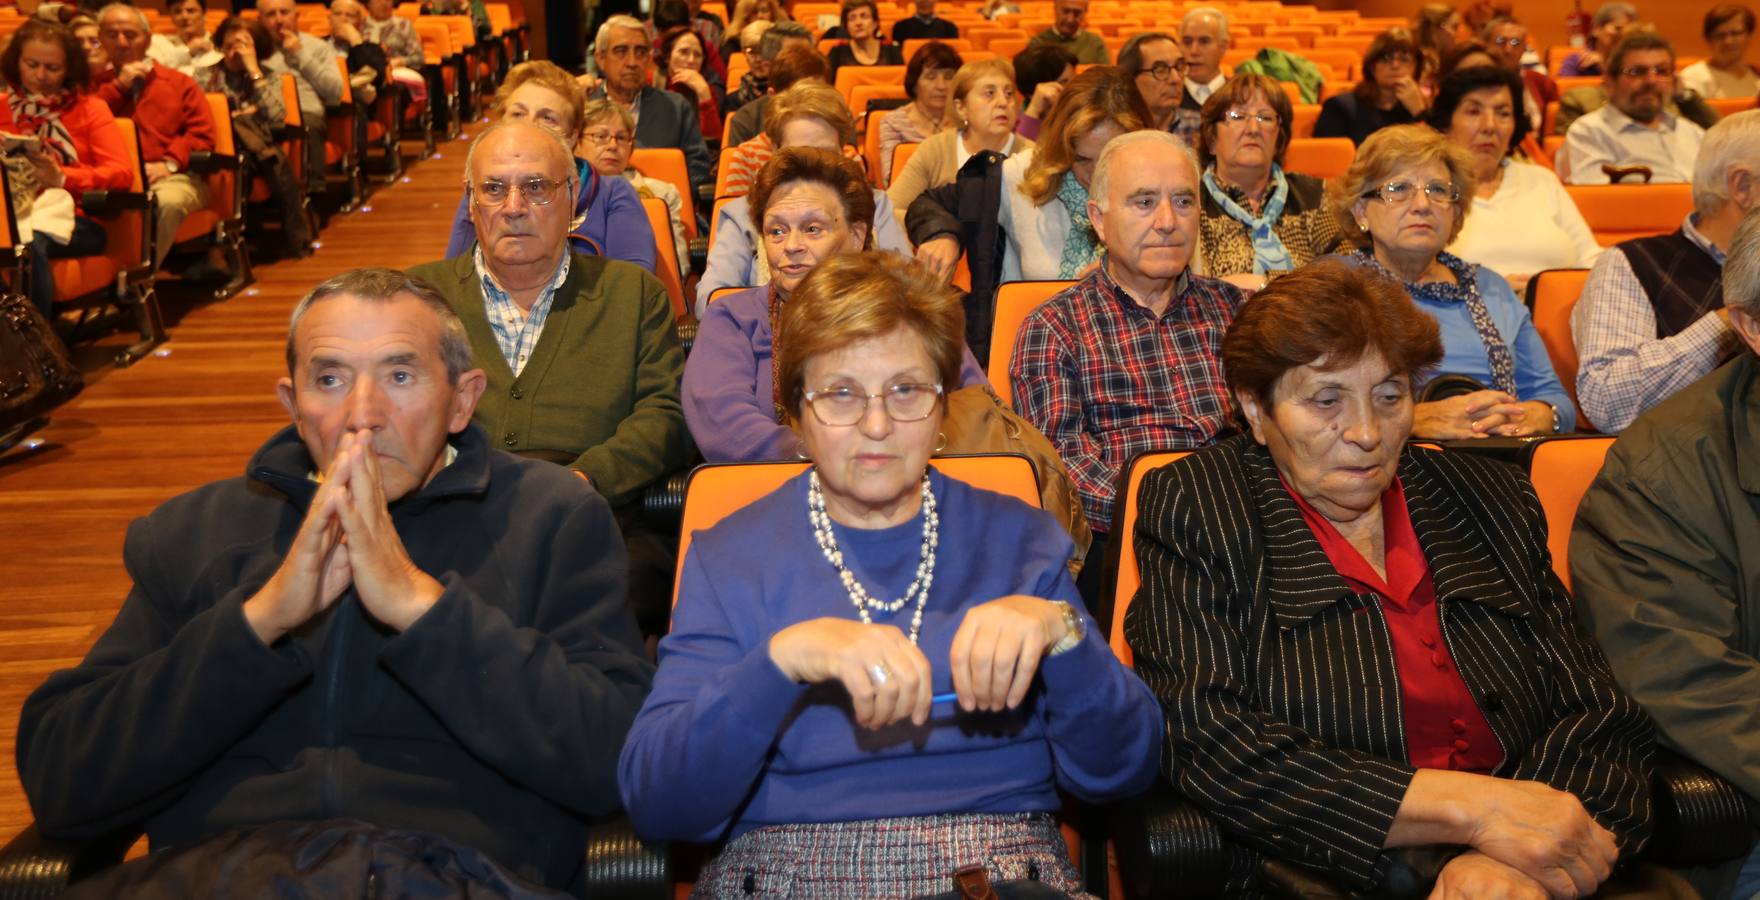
1346	115
494	720
669	120
1279	684
966	211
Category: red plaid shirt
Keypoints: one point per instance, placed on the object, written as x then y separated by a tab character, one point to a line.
1105	379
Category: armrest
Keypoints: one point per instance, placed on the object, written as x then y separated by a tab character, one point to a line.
620	865
686	329
207	162
1700	818
663	501
32	865
705	196
697	251
1167	847
107	204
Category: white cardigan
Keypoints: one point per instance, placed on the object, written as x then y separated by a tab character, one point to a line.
1529	225
1035	233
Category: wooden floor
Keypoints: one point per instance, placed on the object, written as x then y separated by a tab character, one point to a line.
188	415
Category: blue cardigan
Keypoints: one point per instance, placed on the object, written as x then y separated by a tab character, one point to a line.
726	743
1464	353
615	223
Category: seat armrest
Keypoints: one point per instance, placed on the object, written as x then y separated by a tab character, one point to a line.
1700	818
1167	847
207	162
663	502
33	866
621	866
108	204
698	251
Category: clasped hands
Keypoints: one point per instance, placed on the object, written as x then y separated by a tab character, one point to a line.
993	660
1526	839
347	538
1481	414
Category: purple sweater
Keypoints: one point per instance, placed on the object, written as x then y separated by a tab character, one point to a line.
614	222
726	743
728	388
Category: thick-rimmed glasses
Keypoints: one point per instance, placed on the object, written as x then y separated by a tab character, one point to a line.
1396	193
537	191
841	406
1162	71
1647	71
602	137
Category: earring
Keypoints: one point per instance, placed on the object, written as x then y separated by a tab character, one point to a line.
940	442
800	450
1363	227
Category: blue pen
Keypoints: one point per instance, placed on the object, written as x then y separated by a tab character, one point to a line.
944	698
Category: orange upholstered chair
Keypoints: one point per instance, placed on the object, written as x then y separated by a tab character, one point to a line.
1562	469
1620	212
1551	296
1014	300
1125	577
1325	158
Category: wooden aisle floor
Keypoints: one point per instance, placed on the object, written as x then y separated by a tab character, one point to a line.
191	414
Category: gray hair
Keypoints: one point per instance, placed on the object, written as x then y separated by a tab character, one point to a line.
1741	271
128	8
1101	183
770	45
376	284
1732	143
1606	11
1130	56
595	110
1202	12
503	124
630	23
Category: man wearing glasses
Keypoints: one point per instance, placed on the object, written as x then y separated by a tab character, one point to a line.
1635	130
582	361
1508	40
1154	61
625	58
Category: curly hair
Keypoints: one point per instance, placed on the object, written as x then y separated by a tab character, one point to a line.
1103	95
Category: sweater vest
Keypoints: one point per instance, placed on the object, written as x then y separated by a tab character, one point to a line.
1682	281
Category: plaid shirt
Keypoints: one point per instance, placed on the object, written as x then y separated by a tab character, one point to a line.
1105	379
516	331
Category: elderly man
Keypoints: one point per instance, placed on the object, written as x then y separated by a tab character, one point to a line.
924	25
373	623
1203	35
320	82
1651	318
1066	31
170	114
1154	61
625	59
583	364
1129	359
1508	40
368	66
1634	129
753	83
1663	560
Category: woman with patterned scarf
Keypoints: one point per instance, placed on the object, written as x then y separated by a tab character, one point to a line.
78	146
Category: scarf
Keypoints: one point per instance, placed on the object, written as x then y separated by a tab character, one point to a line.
1269	254
1465	290
41	116
1080	248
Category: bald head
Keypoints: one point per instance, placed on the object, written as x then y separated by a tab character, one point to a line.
521	182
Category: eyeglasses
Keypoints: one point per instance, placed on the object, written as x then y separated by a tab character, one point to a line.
1394	193
602	136
621	51
1646	71
1237	117
537	191
842	406
1510	41
1729	35
1162	71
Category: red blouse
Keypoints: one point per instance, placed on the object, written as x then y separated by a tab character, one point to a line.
1443	725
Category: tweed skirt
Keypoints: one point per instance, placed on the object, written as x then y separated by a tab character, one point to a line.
888	858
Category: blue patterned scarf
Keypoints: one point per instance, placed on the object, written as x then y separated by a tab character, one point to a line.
1080	248
1269	254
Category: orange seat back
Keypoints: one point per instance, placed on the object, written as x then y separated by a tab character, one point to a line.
850	76
713	492
1620	212
1562	471
1014	301
910	48
901	155
1553	294
666	260
1324	158
667	164
1302	123
1126	578
1729	106
724	167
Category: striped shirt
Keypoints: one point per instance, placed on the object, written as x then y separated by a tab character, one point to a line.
516	330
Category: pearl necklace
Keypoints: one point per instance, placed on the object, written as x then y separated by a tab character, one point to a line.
858	595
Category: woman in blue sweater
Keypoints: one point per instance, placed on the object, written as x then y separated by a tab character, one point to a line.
906	670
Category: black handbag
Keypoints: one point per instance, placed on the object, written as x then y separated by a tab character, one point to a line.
36	374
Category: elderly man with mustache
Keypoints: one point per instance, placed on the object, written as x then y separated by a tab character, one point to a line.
1635	128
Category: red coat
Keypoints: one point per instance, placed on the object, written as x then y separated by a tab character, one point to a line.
103	157
169	111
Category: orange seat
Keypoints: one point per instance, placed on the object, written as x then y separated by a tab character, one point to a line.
724	292
910	48
1014	301
666	261
1302	124
1620	212
862	95
1729	106
1551	295
1562	470
1324	158
724	167
1126	578
902	154
1007	46
667	164
850	76
1549	118
870	150
715	217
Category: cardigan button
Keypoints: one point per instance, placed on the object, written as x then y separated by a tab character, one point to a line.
511	439
516	394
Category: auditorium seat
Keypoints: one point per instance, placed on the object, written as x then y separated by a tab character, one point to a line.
667	164
1561	471
1323	158
1014	301
1620	212
1120	578
222	220
666	259
1552	294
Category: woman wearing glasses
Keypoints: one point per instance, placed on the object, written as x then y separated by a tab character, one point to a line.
904	680
1402	201
1725	73
1257	220
980	117
1391	92
608	217
607	140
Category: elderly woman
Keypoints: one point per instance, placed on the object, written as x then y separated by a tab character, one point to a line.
808	114
1363	653
981	118
904	680
927	79
85	31
1257	220
809	205
1523	221
244	76
1391	92
1611	22
608	216
607	139
860	20
1402	201
1728	31
681	69
403	47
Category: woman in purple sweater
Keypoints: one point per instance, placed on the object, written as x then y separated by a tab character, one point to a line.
811	205
844	743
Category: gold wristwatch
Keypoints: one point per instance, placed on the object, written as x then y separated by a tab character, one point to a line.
1075	628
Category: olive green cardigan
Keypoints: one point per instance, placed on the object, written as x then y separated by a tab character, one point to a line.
602	383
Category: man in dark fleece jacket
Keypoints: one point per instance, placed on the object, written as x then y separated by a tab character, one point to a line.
384	620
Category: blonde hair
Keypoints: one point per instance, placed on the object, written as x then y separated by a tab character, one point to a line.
968	77
809	99
545	73
1388	151
605	108
1102	95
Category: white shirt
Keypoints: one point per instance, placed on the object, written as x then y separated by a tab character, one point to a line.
1201	91
1709	82
1527	226
1610	136
961	154
1034	249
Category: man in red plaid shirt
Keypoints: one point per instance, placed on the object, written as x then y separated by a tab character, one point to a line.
1129	358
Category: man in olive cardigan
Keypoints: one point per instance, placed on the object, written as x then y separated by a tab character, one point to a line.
580	352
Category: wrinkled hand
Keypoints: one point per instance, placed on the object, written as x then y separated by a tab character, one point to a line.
1546	835
199	45
1044	97
695	82
133	72
48	169
157	172
1535	418
820	650
940	255
315	571
290	43
1475	876
997	649
388	582
1247	281
1411	95
588	82
1473	415
345	30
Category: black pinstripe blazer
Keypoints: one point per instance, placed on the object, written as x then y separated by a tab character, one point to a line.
1282	702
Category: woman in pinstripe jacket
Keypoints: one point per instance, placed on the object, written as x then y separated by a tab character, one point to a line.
1364	657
